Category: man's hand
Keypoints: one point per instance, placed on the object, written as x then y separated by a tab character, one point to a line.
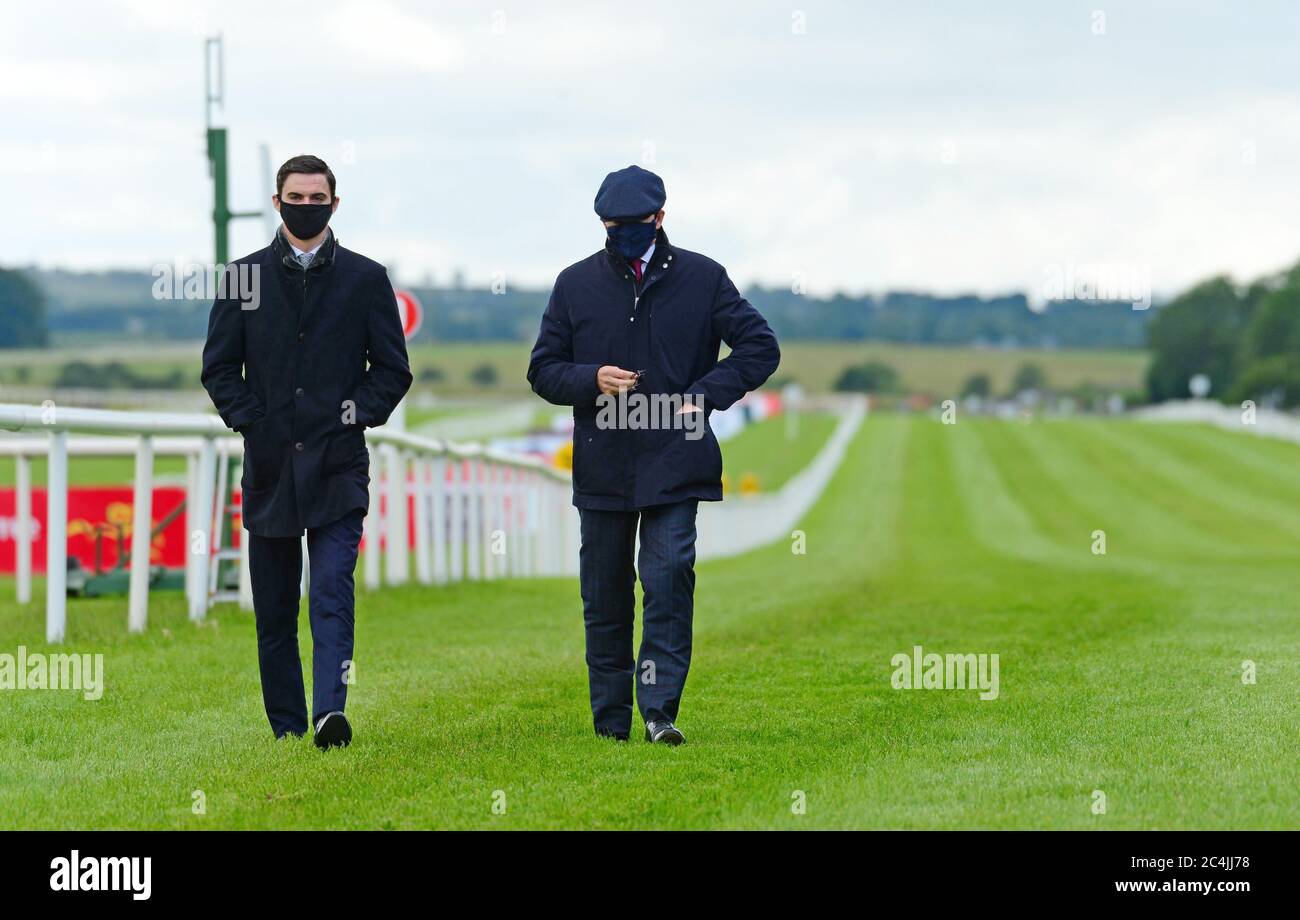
688	408
611	379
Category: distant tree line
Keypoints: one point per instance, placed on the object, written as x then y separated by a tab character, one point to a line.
22	312
1245	339
119	304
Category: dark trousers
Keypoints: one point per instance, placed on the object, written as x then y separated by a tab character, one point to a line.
275	567
667	568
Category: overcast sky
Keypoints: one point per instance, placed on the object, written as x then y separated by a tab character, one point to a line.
949	147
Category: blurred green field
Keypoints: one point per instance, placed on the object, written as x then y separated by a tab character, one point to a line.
1120	673
451	369
816	365
764	451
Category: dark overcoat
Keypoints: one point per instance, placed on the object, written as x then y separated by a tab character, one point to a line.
319	359
671	326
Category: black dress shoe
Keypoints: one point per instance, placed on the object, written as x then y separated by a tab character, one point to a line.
332	730
663	732
610	733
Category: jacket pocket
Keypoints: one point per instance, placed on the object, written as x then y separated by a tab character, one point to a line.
690	463
344	450
600	464
261	460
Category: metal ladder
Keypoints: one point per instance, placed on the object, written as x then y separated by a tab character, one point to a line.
224	574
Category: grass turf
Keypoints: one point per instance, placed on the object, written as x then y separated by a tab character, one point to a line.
1119	673
762	449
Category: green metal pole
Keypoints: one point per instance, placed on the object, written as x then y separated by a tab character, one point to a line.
220	191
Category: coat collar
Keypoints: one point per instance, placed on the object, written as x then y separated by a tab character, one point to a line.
324	255
662	248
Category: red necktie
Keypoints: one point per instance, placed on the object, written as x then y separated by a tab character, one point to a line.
636	267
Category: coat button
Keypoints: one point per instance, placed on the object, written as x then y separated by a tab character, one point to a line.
298	447
301	336
299	392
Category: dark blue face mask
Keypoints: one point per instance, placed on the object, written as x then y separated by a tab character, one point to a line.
632	238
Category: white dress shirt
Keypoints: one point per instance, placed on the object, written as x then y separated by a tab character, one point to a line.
299	253
645	260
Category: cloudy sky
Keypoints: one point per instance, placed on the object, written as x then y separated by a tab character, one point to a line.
942	146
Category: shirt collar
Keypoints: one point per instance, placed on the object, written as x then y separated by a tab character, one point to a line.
316	248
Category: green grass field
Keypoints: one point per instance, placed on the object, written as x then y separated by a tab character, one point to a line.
763	449
940	371
1119	673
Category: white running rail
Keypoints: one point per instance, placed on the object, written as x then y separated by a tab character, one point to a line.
1268	423
748	522
478	513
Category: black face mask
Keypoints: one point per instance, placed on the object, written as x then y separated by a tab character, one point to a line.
305	220
632	238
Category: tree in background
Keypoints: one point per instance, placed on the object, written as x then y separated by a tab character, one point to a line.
1247	341
977	385
1269	352
22	312
485	375
1029	378
1199	332
870	377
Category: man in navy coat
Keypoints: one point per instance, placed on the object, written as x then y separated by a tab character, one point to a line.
629	330
301	370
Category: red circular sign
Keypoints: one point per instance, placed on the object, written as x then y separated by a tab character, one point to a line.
411	312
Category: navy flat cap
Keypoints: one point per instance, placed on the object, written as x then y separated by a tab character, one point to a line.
629	194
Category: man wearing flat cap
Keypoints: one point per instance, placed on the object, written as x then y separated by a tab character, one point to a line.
642	320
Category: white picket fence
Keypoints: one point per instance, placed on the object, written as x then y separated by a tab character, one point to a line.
479	514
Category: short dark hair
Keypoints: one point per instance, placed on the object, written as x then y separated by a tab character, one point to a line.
308	165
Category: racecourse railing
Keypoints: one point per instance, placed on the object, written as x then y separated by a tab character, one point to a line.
478	513
733	527
1267	423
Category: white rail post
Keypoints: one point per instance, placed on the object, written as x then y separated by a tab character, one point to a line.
245	576
547	513
474	511
191	517
438	518
423	564
56	540
23	532
141	537
493	519
507	520
510	512
456	537
200	537
533	507
515	523
304	576
398	559
519	520
245	573
530	483
372	528
572	540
